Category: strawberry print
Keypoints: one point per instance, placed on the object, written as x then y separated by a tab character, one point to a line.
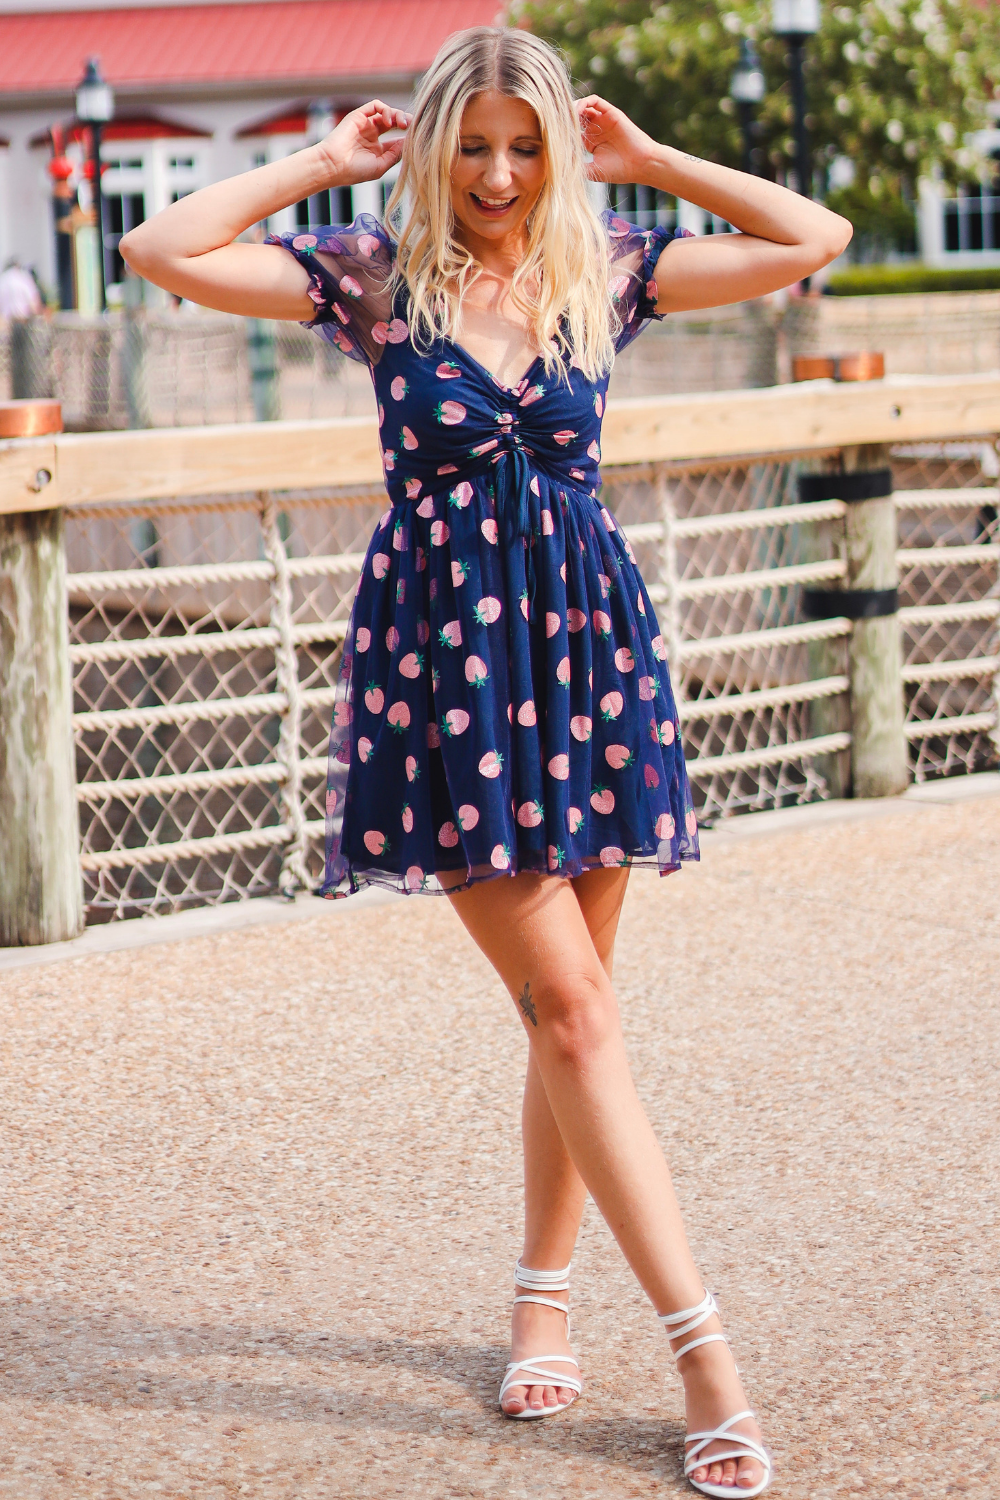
450	413
618	757
602	800
491	765
475	670
529	814
456	721
536	564
488	609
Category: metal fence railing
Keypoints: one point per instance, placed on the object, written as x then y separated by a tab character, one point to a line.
205	638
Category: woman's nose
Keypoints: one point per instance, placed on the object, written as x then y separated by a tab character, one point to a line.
498	175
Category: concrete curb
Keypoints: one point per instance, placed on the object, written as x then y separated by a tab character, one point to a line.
267	911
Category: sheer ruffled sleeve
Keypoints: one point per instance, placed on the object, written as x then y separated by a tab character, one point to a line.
350	280
634	253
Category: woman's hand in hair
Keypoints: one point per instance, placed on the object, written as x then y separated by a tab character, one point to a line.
354	150
619	148
188	248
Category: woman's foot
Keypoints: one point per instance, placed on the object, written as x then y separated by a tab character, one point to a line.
537	1331
713	1393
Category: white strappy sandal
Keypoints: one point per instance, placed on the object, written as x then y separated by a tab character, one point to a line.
541	1281
744	1447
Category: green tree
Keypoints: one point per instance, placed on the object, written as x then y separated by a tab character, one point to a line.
895	86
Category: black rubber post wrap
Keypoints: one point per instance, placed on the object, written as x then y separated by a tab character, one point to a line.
853	604
861	484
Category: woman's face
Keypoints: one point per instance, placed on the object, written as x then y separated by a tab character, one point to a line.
500	168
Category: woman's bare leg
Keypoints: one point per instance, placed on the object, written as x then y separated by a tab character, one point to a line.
533	931
554	1191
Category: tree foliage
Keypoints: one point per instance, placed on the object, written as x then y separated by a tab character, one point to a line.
895	86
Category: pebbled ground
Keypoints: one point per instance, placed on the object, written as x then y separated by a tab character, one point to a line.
234	1168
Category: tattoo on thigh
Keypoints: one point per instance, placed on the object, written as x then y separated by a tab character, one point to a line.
526	1003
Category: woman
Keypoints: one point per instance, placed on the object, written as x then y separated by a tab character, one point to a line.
505	731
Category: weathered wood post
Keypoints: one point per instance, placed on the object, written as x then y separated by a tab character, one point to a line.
879	760
41	899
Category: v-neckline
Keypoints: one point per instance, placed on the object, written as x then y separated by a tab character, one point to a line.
510	389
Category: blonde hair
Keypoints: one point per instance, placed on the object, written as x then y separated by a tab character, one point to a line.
561	285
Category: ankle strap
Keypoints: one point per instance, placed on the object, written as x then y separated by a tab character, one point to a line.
542	1281
691	1318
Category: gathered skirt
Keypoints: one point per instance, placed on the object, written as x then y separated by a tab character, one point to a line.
503	702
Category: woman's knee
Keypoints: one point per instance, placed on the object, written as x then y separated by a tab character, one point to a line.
576	1018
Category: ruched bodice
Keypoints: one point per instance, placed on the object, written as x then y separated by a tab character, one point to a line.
504	702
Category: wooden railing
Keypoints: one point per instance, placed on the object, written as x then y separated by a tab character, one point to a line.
848	687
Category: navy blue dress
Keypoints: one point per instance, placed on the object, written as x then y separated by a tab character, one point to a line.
504	702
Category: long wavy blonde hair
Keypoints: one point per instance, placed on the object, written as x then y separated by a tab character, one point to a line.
561	285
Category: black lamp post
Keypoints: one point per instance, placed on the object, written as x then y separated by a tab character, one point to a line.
794	21
746	89
95	106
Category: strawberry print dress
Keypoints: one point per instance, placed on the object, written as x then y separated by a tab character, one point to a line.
503	702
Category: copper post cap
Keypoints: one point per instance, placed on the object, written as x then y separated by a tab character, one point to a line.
30	418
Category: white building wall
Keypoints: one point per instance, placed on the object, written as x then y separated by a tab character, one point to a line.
26	223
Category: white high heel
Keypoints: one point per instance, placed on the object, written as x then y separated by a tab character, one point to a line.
541	1281
746	1447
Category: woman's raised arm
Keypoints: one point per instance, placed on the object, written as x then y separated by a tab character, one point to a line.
783	235
188	248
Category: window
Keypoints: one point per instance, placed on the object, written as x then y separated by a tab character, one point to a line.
122	212
332	206
181	163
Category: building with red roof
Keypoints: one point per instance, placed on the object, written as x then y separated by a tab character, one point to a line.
202	91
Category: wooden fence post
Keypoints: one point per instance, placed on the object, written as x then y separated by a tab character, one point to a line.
41	898
879	757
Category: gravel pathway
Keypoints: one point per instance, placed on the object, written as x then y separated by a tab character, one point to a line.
238	1170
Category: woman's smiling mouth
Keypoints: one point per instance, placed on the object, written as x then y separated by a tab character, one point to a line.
492	207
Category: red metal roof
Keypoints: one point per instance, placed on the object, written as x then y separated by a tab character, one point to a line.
124	127
205	45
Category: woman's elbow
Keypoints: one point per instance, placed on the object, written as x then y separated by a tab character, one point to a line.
839	232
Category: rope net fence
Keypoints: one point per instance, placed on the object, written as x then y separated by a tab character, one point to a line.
205	638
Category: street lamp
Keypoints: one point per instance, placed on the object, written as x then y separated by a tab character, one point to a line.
794	21
95	106
746	89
